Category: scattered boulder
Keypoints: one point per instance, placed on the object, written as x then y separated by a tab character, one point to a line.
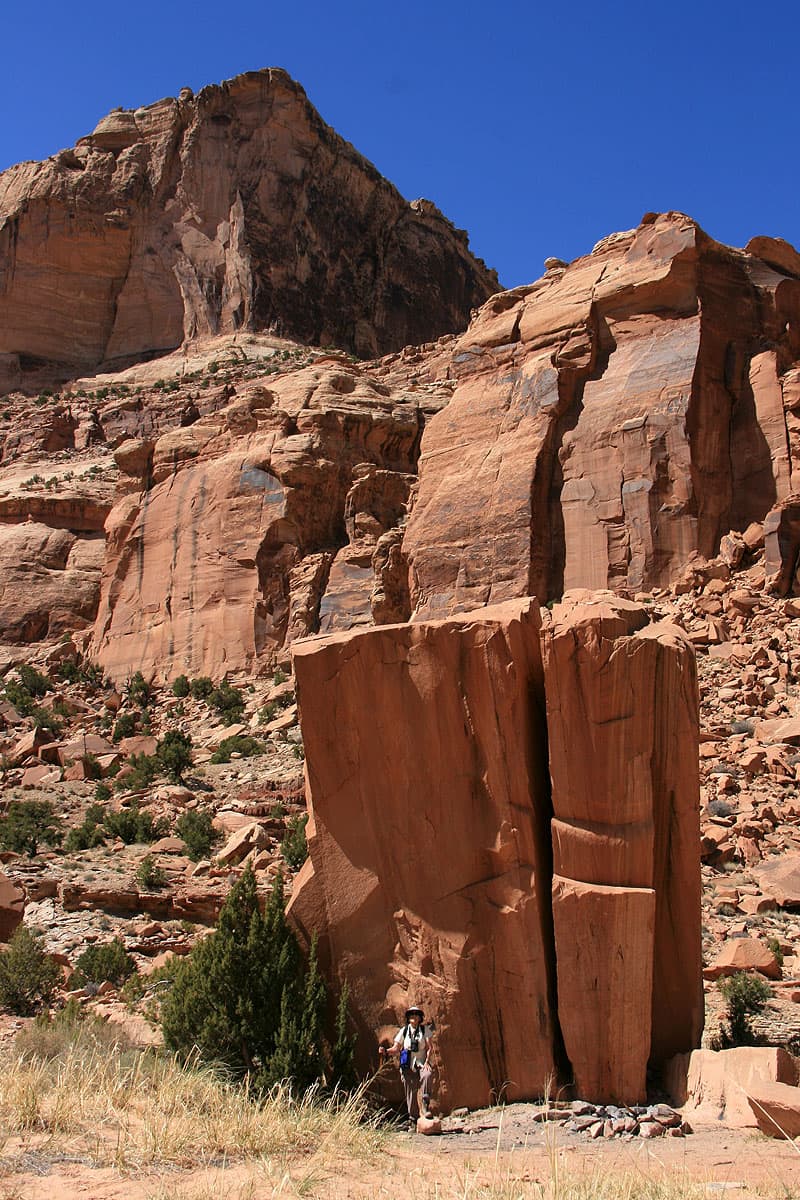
744	954
776	1108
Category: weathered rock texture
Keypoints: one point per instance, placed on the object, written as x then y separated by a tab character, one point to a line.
433	841
608	426
258	524
235	208
622	717
612	420
714	1085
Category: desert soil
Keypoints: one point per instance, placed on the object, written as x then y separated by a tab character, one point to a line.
498	1149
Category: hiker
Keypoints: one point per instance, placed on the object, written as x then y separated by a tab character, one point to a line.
412	1046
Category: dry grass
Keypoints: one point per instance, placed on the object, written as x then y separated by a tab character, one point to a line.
136	1109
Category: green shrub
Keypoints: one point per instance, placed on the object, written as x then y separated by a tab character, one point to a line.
228	701
138	690
28	976
29	823
124	727
43	718
244	744
774	945
174	754
108	961
92	767
149	874
744	995
33	681
245	997
102	793
20	697
88	835
196	829
266	713
144	769
201	688
68	670
279	676
294	847
133	826
137	986
180	687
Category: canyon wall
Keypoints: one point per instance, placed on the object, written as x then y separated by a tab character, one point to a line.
611	421
504	829
605	427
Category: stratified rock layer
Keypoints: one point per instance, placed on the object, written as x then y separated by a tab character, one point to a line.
441	872
611	421
235	208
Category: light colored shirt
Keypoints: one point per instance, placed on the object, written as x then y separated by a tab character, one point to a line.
403	1039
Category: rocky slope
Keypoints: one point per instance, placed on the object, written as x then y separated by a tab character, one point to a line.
237	208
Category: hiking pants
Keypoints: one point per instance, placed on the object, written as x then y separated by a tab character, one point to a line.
412	1079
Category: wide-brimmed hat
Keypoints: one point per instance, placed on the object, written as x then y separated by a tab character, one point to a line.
414	1011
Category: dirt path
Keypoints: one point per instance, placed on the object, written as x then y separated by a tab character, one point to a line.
515	1161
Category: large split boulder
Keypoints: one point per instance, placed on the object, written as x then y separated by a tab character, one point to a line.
622	719
428	875
448	866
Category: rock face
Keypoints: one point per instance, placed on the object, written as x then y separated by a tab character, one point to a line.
428	866
256	524
611	421
235	208
12	907
49	581
622	713
446	864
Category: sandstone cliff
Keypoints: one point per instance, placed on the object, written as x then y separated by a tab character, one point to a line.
607	426
237	208
611	421
543	906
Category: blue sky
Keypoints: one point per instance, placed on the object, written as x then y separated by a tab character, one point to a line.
537	127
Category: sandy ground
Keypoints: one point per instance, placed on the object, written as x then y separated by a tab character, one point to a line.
725	1161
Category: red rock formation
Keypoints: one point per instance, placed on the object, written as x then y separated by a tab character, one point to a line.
428	870
12	907
622	717
603	427
431	862
49	581
235	208
224	544
611	420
